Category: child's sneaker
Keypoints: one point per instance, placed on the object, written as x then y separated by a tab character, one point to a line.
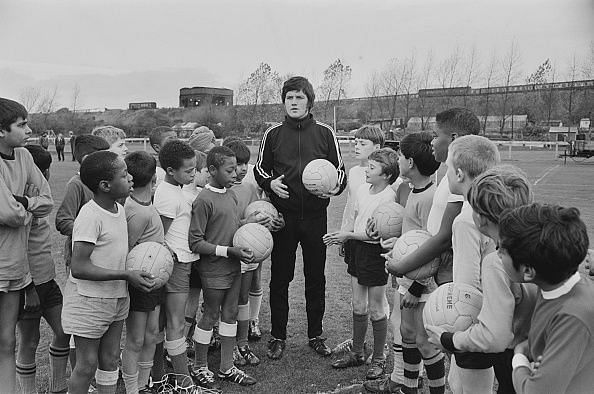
248	356
236	375
238	358
204	378
254	333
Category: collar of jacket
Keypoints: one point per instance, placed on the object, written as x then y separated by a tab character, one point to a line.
299	124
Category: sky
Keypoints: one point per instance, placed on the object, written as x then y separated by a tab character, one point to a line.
146	50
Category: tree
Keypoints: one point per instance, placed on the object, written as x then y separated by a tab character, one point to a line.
29	97
423	81
489	81
509	71
470	70
572	71
372	90
336	79
262	87
75	100
541	75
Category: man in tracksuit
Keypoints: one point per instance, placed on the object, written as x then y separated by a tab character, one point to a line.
285	150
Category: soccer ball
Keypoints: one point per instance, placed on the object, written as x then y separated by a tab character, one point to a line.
151	257
319	177
255	237
264	208
453	307
388	219
408	243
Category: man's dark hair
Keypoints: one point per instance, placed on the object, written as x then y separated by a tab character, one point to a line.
98	166
459	121
242	152
156	136
10	111
299	83
388	160
417	146
41	157
142	166
551	239
173	154
216	156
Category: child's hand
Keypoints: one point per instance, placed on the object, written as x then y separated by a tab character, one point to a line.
277	223
370	229
392	265
141	280
536	364
522	347
32	302
331	193
243	254
388	244
409	301
31	190
434	334
336	237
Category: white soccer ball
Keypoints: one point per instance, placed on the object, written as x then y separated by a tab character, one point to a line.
405	245
388	219
255	237
264	209
453	307
151	257
319	177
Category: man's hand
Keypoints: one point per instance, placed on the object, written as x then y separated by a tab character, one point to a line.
244	254
32	302
370	229
336	237
141	280
434	334
409	301
277	223
279	188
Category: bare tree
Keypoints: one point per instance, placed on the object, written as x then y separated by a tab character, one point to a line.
47	101
423	81
372	90
490	77
448	73
509	72
572	71
336	79
587	70
471	67
258	90
408	80
29	97
392	80
75	101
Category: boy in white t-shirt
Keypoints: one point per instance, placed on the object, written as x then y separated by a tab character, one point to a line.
96	297
179	162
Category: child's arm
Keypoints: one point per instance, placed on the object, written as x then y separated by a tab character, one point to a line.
434	246
83	268
40	203
12	213
71	205
565	350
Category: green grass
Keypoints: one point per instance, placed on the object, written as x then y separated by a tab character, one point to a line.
300	370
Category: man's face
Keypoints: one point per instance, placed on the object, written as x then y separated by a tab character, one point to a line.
184	175
18	135
296	104
121	184
441	141
119	148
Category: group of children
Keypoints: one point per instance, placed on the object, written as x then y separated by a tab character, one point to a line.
534	331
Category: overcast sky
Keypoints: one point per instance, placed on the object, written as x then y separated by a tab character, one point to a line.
143	50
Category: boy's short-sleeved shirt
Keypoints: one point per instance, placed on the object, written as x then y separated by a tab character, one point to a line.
417	209
365	203
144	223
108	232
441	198
355	179
39	251
246	194
171	202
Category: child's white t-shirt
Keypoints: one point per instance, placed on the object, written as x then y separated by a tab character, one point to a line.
365	203
170	201
441	198
108	231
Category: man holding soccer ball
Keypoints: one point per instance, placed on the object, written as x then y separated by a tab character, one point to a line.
285	150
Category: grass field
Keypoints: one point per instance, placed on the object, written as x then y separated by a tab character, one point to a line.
300	370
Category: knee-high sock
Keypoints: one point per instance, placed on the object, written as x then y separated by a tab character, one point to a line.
158	369
107	381
58	359
228	332
412	364
26	377
201	342
398	371
380	332
177	352
359	332
130	382
243	324
435	367
255	301
144	371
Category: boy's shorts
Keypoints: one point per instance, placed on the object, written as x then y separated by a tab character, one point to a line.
221	281
90	317
15	284
249	267
476	360
366	263
404	284
179	281
145	302
50	296
195	281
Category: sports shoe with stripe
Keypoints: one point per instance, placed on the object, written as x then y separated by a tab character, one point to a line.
204	378
238	376
249	356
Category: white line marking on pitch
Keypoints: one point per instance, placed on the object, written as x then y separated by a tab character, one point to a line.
547	172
